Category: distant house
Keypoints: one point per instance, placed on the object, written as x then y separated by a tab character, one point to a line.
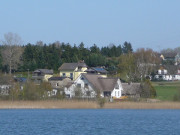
5	85
162	71
169	56
168	73
131	89
72	70
177	59
40	75
4	89
162	74
58	84
21	81
97	70
89	85
177	75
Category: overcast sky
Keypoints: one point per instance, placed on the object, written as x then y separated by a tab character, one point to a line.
145	23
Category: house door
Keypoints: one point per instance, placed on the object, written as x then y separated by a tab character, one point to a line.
107	93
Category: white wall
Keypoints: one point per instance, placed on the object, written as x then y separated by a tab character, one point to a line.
117	93
177	77
165	77
164	71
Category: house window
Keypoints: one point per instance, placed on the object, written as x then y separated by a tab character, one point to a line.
82	78
79	85
88	93
71	76
64	74
85	85
57	84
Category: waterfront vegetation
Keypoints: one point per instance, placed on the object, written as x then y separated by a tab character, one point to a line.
85	104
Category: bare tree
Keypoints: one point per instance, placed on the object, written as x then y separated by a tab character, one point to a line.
146	61
57	44
12	51
40	43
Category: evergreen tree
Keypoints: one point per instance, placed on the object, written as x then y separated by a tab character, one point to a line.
127	48
94	49
96	60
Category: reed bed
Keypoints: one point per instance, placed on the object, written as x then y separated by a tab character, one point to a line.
74	104
48	104
143	105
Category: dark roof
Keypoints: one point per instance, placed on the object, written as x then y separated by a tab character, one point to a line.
57	78
169	55
44	71
131	88
99	83
171	69
72	66
20	79
97	70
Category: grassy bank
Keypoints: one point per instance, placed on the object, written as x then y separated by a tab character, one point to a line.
167	89
70	104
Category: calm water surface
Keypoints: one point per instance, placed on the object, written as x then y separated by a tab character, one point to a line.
89	122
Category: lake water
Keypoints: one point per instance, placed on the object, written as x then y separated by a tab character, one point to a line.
89	122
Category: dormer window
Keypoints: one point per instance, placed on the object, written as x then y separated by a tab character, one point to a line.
79	85
79	68
82	78
117	86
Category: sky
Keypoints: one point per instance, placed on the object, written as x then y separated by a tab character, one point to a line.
151	24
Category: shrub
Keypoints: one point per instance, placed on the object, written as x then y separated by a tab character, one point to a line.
101	102
78	92
147	90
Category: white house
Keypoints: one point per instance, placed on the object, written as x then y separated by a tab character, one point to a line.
4	89
177	75
90	85
163	75
162	71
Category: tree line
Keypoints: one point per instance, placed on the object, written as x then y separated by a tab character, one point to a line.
16	57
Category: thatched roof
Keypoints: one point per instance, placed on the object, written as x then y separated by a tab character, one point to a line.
131	88
99	83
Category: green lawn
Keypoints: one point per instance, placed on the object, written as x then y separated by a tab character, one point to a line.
166	90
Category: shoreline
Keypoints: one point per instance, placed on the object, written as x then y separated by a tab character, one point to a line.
73	104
